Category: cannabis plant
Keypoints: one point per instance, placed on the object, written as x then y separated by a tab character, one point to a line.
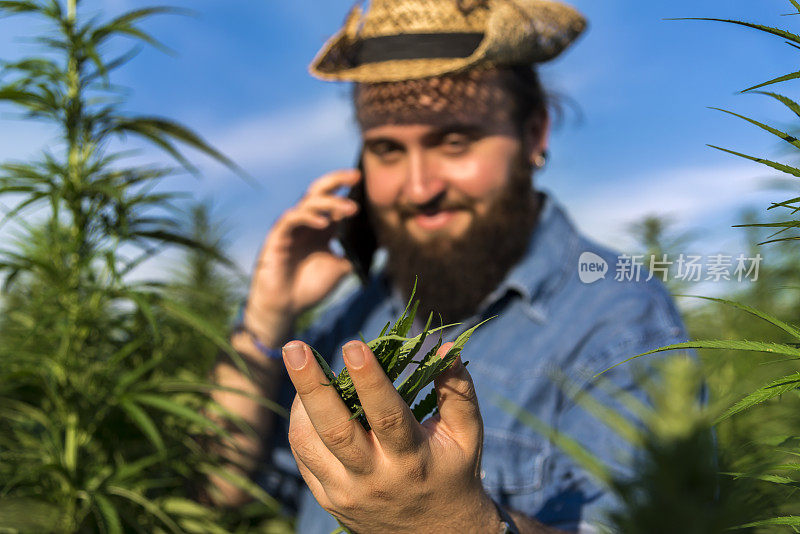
671	482
782	471
395	351
101	397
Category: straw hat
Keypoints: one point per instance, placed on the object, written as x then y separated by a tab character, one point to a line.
408	39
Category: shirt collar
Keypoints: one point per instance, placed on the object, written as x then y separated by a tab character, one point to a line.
546	264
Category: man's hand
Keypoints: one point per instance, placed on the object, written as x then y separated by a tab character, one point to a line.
296	267
401	476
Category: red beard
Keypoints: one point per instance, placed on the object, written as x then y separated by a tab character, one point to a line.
457	274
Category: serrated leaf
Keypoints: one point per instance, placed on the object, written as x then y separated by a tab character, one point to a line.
791	520
764	393
767	29
789	103
426	406
786	327
777	166
728	344
786	78
783	135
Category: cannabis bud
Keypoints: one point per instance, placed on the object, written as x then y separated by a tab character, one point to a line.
395	351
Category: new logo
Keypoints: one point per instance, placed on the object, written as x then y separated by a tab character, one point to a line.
591	267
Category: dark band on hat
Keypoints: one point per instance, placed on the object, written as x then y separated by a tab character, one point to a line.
416	46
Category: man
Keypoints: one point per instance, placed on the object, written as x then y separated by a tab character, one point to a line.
453	122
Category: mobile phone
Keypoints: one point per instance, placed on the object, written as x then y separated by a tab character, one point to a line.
355	233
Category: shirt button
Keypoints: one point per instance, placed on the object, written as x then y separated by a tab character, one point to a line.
483	474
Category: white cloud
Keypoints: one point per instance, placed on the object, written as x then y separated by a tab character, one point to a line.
287	137
687	195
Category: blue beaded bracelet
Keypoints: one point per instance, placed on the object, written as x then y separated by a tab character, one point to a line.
238	326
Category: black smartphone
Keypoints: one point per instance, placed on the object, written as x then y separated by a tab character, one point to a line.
355	233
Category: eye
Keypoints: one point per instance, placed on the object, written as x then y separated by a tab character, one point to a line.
385	150
456	143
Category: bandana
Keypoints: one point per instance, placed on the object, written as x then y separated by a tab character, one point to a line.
475	95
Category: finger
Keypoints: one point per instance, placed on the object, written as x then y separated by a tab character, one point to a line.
334	180
297	218
343	436
308	448
389	416
313	483
459	412
329	206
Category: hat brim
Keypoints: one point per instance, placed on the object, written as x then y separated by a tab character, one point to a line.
553	27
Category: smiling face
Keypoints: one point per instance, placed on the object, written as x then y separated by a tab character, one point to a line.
430	180
438	154
448	185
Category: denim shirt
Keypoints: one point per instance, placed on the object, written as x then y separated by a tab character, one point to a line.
550	324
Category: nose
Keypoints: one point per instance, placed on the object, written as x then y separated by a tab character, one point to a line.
423	180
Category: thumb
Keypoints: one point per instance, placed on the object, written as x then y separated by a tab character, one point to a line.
458	402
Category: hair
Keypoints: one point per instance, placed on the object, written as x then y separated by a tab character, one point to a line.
528	98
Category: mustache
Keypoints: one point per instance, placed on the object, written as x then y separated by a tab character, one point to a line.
438	203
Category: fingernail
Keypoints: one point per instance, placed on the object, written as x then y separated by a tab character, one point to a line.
354	354
295	354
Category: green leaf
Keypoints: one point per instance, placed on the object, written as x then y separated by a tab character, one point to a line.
783	135
777	166
178	506
786	78
184	385
767	29
426	406
786	327
197	526
727	344
190	318
145	424
158	129
464	337
13	8
242	483
771	390
791	520
27	515
124	25
152	508
608	416
131	470
108	513
179	410
324	365
569	446
789	103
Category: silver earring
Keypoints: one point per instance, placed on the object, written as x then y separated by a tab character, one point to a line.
540	160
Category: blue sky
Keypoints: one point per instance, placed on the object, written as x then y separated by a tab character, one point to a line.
636	146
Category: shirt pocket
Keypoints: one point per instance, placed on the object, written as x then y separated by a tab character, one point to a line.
513	468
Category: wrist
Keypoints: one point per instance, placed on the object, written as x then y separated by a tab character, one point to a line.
487	514
268	328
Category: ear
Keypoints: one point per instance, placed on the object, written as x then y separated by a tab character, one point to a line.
537	135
